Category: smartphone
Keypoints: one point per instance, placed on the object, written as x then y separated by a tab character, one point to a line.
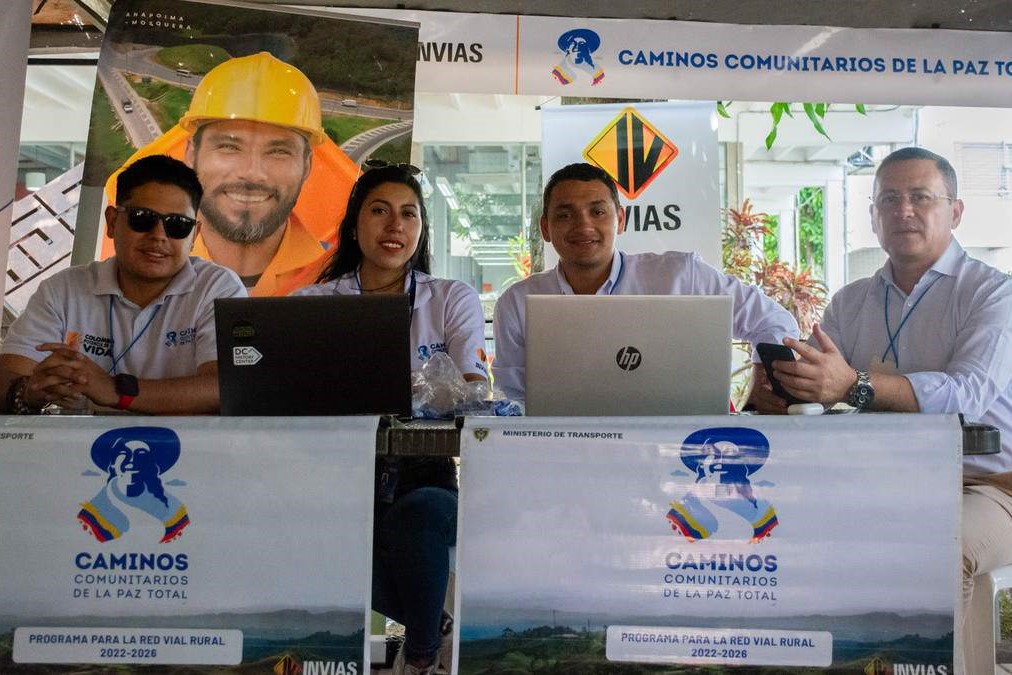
770	352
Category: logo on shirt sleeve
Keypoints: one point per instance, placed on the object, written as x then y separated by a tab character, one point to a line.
178	338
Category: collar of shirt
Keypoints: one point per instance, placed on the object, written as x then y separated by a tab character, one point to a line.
348	285
104	282
606	288
946	265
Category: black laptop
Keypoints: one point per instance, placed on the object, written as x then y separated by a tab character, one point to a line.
314	355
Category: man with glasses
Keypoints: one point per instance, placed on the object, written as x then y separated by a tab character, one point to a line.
930	332
134	332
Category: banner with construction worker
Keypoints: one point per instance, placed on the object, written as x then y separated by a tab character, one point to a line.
275	109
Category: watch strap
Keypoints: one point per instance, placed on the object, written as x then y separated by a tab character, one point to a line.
862	393
16	402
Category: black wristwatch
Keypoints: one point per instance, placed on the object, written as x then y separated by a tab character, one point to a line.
127	388
862	393
16	403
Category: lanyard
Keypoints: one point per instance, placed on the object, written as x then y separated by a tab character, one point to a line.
903	321
112	334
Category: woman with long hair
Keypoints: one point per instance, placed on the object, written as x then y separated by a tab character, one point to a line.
384	248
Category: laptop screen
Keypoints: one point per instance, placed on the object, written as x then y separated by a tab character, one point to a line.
628	354
314	355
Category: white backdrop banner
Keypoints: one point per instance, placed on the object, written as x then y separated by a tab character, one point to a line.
663	159
640	58
186	541
711	541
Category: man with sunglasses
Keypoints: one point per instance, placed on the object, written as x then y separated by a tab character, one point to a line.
133	332
931	331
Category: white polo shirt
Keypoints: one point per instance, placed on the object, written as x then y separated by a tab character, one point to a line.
756	317
954	346
447	317
170	337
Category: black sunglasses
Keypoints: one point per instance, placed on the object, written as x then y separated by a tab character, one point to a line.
140	219
370	164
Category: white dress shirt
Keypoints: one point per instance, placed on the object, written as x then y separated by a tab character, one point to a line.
756	317
955	347
446	317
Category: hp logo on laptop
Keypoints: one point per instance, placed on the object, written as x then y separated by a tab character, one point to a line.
628	358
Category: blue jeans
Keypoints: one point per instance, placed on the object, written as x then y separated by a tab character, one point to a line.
411	567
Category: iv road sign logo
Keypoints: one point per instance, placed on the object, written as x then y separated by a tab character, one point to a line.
632	151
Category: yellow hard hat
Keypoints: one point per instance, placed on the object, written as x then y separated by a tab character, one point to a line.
259	88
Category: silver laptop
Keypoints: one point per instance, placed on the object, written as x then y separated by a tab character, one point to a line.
628	354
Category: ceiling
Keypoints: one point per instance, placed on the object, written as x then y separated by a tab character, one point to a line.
995	15
65	24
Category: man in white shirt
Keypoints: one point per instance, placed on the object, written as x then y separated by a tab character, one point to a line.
136	331
581	218
930	332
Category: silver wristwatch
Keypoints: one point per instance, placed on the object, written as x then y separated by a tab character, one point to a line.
862	393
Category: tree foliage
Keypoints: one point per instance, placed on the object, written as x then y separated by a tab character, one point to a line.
799	291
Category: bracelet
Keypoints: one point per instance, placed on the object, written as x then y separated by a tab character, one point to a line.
16	402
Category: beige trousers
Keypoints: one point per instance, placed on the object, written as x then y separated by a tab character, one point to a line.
987	545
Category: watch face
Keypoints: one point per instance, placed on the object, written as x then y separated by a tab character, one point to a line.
862	393
126	385
862	396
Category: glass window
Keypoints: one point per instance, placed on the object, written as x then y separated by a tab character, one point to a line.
481	201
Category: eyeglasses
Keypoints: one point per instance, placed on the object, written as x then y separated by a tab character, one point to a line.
140	219
370	164
920	200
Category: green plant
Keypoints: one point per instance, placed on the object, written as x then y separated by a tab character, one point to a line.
740	241
520	250
1005	605
798	291
770	249
811	239
744	257
816	113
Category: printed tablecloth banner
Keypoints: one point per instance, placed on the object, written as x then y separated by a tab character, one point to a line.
709	541
663	160
232	544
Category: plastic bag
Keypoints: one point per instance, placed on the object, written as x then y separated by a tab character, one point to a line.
439	391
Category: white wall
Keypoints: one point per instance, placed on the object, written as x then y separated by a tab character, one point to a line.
986	219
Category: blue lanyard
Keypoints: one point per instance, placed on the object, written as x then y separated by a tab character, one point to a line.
112	338
903	321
